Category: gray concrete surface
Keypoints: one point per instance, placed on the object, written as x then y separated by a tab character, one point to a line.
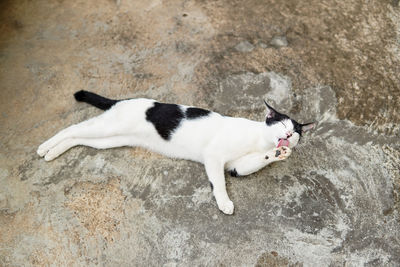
334	202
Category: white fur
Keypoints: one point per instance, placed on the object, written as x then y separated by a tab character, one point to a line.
217	141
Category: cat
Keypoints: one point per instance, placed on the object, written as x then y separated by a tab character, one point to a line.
238	145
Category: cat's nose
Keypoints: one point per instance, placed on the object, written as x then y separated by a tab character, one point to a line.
288	134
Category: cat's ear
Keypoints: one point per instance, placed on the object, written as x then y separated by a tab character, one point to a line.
307	126
271	113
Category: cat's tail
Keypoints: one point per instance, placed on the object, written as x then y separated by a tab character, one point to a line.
95	100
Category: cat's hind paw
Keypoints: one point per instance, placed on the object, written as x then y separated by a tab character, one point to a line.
227	207
57	151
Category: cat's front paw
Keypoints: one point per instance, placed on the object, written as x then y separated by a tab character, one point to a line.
283	152
227	207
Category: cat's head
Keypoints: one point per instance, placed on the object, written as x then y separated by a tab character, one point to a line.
285	128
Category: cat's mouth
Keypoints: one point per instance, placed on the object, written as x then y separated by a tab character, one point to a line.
283	142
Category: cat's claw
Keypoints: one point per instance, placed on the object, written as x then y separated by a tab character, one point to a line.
227	207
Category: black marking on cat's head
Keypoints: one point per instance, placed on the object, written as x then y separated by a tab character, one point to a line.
274	116
194	113
302	128
165	118
297	127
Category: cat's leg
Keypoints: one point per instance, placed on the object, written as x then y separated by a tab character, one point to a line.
253	162
97	127
247	164
215	173
99	143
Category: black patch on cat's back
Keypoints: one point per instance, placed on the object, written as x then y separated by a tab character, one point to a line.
193	113
165	118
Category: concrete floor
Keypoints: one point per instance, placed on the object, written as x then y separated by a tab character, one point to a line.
334	202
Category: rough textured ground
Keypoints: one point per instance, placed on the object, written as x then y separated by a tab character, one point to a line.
334	202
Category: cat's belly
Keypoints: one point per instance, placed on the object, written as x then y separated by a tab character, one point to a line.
179	151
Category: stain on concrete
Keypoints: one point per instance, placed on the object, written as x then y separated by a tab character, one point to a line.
273	259
98	207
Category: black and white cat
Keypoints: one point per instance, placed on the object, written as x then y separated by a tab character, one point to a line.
238	145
